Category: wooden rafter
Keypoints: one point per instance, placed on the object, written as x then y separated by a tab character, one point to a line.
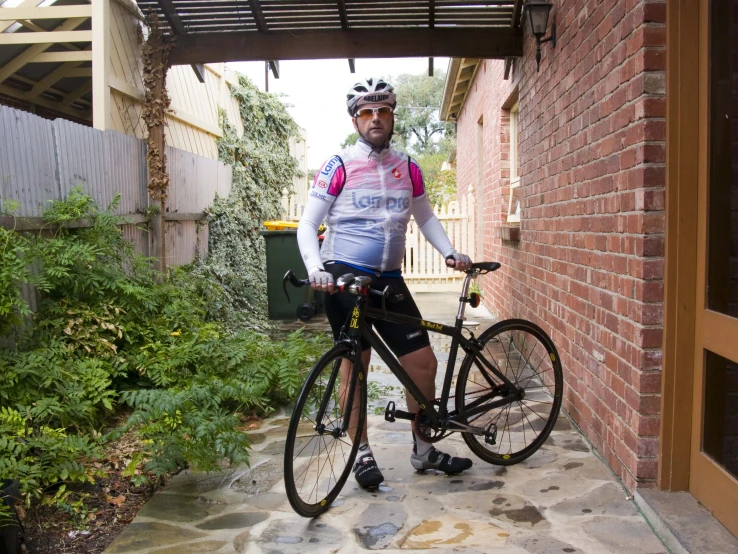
515	23
258	15
76	94
63	57
81	114
343	15
47	37
29	53
25	4
49	12
51	79
172	17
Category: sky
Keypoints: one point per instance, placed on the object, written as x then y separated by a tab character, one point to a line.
315	91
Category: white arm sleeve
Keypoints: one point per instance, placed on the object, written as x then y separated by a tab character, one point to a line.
431	227
307	232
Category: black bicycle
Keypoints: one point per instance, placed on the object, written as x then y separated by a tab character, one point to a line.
507	396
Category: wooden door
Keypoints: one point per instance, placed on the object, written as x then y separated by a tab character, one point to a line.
713	468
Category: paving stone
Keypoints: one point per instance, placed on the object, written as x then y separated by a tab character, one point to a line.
543	544
570	441
189	482
620	535
202	547
260	478
173	507
236	520
608	499
241	541
138	536
300	536
513	509
450	531
554	488
540	458
379	524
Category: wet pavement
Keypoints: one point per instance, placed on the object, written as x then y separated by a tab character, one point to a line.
563	499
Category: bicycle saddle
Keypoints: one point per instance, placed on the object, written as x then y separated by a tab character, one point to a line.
486	267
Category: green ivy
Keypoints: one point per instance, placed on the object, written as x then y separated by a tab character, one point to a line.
262	168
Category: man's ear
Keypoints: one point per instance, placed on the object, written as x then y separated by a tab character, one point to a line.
356	127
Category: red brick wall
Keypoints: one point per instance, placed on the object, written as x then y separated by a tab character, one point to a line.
589	264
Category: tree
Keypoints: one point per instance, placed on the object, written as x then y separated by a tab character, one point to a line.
350	140
418	129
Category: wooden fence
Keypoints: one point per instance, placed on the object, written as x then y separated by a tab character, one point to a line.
42	160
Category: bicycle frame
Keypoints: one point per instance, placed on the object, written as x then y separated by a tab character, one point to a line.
358	327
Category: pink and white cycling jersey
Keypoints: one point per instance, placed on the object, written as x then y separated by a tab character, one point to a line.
366	198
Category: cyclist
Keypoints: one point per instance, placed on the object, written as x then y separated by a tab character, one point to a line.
366	195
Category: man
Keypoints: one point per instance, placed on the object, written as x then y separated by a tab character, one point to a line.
366	195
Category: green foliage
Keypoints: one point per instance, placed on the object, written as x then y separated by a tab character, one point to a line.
109	336
418	129
350	140
262	168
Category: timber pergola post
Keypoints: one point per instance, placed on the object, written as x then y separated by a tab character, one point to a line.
156	50
100	64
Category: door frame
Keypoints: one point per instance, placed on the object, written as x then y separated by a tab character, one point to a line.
689	327
683	74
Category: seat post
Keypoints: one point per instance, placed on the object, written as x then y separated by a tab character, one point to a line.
462	298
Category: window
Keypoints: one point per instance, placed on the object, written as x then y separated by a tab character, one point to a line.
513	206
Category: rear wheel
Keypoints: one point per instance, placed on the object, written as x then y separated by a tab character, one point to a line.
318	454
527	357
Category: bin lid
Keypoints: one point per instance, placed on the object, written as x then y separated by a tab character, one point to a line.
280	225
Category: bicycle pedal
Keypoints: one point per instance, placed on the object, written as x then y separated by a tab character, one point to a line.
389	412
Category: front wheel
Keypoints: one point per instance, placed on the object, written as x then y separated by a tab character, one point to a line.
527	357
318	453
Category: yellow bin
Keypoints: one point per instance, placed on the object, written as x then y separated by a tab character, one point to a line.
280	225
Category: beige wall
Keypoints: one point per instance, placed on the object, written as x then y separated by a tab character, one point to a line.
193	122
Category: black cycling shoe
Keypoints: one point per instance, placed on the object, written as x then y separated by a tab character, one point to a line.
435	459
367	472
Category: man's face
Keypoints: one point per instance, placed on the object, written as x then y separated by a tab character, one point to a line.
375	129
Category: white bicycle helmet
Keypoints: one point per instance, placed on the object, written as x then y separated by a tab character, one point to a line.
370	91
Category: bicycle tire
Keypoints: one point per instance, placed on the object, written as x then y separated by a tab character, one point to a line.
303	437
526	355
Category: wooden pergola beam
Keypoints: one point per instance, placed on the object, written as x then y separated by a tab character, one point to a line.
492	43
343	15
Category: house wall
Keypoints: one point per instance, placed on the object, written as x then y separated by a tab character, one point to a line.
589	264
193	124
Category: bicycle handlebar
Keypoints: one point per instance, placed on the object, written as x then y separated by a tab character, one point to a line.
385	294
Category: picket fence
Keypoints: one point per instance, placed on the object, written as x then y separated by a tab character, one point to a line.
423	267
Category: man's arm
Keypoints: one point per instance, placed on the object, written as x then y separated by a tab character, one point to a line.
429	224
327	184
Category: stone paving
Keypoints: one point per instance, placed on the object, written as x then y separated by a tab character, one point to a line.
562	499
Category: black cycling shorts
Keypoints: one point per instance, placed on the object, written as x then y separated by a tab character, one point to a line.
401	339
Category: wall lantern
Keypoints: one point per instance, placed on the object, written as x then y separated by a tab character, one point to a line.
538	11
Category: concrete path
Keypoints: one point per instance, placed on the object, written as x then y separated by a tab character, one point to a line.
563	499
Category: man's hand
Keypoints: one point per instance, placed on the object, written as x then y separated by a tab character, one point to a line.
459	261
321	280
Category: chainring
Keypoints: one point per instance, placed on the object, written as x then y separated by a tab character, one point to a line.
424	431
